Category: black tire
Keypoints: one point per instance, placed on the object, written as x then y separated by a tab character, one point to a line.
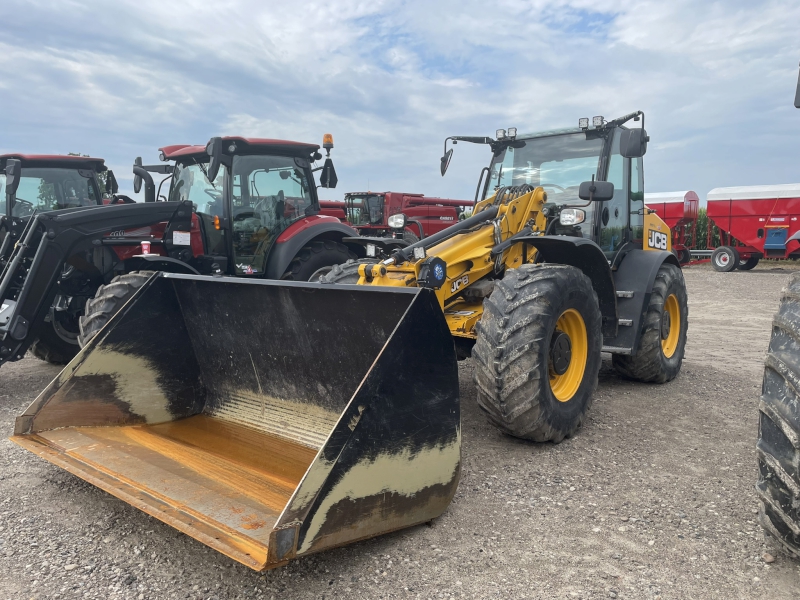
57	343
513	357
685	256
778	447
316	259
107	302
750	263
725	259
654	362
346	273
409	237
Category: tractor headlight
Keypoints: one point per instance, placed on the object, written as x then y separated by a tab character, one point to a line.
397	221
372	250
572	216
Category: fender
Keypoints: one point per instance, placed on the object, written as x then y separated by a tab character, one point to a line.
636	273
587	256
283	252
156	262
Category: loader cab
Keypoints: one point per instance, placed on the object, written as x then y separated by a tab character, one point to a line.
259	189
52	182
559	161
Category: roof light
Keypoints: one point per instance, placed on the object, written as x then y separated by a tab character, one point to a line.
583	123
598	121
327	141
232	147
500	134
162	157
512	132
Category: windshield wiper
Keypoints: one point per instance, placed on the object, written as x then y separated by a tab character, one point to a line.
205	172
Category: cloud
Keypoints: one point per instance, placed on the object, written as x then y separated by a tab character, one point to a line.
390	79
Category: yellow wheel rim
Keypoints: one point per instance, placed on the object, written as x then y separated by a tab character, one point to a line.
566	383
670	326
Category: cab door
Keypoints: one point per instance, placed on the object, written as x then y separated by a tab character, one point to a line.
614	215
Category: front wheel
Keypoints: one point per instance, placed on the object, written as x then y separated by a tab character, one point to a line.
316	259
58	339
107	302
725	259
537	353
663	336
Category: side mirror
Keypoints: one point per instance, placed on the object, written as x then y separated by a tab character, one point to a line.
112	187
214	151
13	174
446	161
137	179
328	179
633	143
596	191
797	94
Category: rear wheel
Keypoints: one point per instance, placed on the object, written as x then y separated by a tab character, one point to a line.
346	273
750	263
537	353
663	341
410	238
778	447
316	259
725	259
107	302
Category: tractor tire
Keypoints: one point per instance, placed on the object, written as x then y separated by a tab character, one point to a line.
54	347
750	263
316	260
346	273
107	302
725	259
537	353
778	447
661	348
410	238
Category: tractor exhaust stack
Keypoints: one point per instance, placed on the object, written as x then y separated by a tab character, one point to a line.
265	419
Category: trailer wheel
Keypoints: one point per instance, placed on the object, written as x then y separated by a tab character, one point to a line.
316	259
346	273
663	341
107	302
685	257
537	353
750	263
778	447
725	259
57	343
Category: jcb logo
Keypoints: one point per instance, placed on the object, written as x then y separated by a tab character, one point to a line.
657	240
456	285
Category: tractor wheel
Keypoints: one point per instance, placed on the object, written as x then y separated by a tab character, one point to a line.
58	340
663	341
107	302
537	353
409	237
778	447
316	259
725	259
750	263
346	273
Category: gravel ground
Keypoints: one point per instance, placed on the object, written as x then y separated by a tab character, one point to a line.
653	498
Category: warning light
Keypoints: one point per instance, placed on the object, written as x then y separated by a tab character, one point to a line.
327	141
217	223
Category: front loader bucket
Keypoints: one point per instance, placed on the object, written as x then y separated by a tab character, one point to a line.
265	419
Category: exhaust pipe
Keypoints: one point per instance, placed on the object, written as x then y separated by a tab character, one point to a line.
265	419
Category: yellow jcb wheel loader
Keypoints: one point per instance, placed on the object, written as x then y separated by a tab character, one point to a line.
273	419
559	262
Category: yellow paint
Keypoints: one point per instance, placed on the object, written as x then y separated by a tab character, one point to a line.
566	385
670	343
654	227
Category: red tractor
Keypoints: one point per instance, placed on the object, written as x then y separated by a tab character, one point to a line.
237	206
369	213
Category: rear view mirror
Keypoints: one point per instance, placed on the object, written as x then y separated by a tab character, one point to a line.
112	187
13	174
596	191
446	161
137	179
328	179
633	143
214	151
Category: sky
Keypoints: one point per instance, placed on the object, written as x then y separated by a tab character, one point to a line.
390	79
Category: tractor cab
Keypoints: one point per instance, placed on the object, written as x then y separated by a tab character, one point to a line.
246	193
364	209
